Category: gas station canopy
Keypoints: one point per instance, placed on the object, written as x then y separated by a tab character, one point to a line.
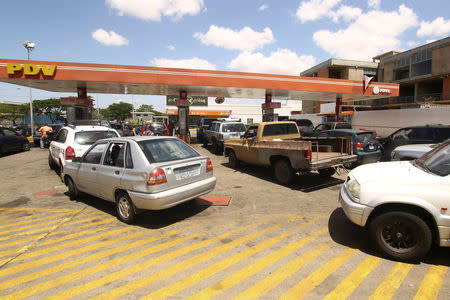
119	79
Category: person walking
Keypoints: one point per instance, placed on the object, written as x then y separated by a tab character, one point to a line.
44	130
171	126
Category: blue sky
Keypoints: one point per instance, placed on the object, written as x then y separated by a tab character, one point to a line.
267	36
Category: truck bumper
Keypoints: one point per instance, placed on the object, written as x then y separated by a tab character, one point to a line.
333	162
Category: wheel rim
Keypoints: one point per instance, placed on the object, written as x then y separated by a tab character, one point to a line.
124	207
399	236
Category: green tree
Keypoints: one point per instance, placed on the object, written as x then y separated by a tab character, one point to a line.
12	112
120	111
51	107
149	108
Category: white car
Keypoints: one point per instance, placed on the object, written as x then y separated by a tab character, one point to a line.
405	204
412	151
73	141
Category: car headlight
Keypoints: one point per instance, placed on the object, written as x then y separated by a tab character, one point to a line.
354	188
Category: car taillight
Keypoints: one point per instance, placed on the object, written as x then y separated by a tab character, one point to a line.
70	153
308	154
157	176
359	146
209	166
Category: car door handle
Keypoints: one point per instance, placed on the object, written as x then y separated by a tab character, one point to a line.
117	172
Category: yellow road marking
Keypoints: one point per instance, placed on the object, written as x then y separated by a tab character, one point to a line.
431	284
15	224
317	277
352	281
37	238
40	287
38	209
248	271
77	290
392	282
280	275
33	226
219	266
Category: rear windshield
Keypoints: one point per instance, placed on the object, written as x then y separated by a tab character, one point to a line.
304	122
280	129
343	126
90	137
233	127
158	126
162	150
366	137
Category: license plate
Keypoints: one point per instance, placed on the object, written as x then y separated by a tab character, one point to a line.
180	175
371	147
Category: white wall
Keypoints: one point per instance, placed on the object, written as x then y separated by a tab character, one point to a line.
386	122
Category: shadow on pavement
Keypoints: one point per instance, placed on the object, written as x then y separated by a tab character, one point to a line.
345	232
305	183
148	219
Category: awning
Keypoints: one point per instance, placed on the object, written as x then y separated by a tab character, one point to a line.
196	112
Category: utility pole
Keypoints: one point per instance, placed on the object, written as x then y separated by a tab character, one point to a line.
30	47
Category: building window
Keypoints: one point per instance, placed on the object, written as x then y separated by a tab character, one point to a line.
336	74
421	63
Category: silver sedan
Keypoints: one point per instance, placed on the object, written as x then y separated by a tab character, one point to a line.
140	173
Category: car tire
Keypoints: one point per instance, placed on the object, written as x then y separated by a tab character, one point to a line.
125	208
26	147
401	235
283	171
233	161
328	172
73	191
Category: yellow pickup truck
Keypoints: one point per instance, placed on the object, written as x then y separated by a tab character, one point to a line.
279	145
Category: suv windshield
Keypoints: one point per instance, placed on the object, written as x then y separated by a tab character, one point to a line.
233	127
343	126
162	150
303	122
436	161
90	137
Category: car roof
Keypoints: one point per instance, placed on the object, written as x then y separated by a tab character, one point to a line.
356	131
428	126
139	138
88	127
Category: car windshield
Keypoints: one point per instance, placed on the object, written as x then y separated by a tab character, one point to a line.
158	126
343	126
163	150
436	161
233	127
303	122
366	137
90	137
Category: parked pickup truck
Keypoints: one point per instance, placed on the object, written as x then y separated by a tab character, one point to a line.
279	145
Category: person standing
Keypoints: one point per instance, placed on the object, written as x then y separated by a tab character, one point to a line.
171	126
44	130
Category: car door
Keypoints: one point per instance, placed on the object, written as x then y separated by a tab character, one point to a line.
249	146
57	145
10	140
422	135
110	172
398	138
88	171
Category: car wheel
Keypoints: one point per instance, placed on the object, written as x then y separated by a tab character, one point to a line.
232	160
51	162
125	209
283	171
401	235
26	147
73	191
328	172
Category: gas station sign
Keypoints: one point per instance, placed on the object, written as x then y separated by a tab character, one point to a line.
31	69
193	100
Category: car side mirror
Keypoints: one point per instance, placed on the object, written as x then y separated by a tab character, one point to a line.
77	159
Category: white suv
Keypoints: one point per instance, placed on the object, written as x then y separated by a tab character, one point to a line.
74	140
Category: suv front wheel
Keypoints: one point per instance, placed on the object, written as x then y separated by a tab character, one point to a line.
401	235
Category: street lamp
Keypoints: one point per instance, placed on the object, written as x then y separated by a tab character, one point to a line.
30	47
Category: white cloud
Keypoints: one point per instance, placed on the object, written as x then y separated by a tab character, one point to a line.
315	9
371	34
109	38
282	61
412	44
246	39
375	4
154	10
171	47
193	63
439	28
347	13
263	7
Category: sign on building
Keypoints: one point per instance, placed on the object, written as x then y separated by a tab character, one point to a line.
193	100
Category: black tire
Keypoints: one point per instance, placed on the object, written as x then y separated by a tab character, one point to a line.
73	191
205	142
51	163
283	171
125	208
232	160
328	172
26	147
401	235
219	148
